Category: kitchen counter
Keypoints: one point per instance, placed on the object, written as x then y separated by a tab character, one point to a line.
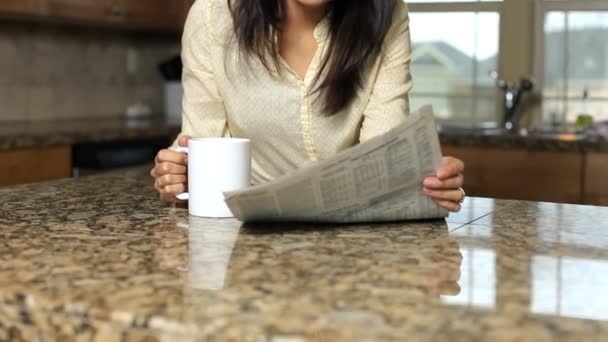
66	132
553	142
36	134
102	258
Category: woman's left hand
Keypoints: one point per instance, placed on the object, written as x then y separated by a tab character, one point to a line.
444	187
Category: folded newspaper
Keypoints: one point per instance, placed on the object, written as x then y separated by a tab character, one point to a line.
376	181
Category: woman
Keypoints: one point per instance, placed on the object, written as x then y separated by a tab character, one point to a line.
303	79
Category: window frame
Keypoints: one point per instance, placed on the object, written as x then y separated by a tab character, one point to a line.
541	8
467	7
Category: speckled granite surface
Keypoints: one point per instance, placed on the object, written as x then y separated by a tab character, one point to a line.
46	133
565	143
101	258
65	132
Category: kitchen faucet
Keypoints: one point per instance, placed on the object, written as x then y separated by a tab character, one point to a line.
513	93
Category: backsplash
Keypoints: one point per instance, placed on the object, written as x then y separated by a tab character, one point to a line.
61	72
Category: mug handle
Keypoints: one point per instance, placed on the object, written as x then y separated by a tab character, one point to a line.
184	196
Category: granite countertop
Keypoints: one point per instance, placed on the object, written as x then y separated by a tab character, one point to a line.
34	134
102	258
557	142
64	132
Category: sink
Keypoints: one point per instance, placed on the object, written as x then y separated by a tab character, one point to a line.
556	135
493	129
484	128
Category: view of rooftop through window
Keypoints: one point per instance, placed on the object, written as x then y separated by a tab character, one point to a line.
575	63
453	55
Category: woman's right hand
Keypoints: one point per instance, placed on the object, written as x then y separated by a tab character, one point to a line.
170	172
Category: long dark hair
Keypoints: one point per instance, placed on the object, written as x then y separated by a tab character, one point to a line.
357	29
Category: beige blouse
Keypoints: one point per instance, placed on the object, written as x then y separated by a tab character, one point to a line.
225	96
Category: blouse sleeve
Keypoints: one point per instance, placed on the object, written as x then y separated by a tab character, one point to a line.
389	103
203	111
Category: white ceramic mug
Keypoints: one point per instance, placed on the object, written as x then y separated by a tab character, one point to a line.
215	165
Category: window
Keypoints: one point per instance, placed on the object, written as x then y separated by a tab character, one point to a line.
455	48
572	58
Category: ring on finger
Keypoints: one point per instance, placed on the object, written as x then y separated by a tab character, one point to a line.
464	195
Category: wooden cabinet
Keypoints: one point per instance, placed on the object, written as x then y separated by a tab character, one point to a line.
21	7
89	10
521	174
596	178
155	13
162	14
168	15
36	164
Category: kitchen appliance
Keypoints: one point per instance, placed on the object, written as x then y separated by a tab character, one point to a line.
171	71
95	157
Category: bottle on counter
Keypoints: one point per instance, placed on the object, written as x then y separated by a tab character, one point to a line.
584	118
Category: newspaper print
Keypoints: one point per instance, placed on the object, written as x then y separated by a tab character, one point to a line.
376	181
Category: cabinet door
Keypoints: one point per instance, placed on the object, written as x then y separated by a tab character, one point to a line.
20	7
87	10
596	179
166	14
35	164
521	174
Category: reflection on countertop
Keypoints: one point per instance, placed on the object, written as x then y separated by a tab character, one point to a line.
78	260
36	134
